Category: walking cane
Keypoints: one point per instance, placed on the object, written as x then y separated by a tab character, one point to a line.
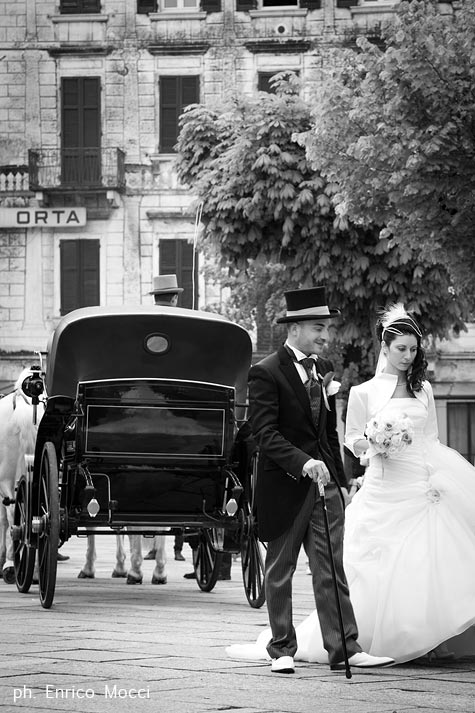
321	490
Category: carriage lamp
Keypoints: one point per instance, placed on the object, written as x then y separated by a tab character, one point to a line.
93	507
231	507
89	496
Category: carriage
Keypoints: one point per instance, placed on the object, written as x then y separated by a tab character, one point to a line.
143	429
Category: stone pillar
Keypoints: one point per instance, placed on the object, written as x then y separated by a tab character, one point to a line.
33	325
132	280
32	109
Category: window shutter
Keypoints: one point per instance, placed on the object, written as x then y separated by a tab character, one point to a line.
70	7
91	5
312	4
461	428
246	5
79	268
211	5
176	258
175	94
146	6
81	130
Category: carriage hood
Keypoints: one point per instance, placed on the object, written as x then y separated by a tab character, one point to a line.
97	343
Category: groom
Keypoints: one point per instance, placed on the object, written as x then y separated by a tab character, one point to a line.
294	425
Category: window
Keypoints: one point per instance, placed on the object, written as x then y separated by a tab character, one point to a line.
79	269
179	5
175	94
279	3
461	428
176	258
146	6
246	5
264	81
79	7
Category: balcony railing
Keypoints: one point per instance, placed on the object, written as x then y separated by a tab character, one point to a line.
14	179
76	169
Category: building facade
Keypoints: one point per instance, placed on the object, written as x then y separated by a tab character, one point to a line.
90	95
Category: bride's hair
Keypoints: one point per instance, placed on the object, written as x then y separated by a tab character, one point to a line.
394	323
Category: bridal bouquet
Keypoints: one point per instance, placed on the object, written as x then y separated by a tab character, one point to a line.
389	436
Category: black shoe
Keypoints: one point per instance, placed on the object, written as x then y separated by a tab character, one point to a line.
178	556
224	577
190	575
62	558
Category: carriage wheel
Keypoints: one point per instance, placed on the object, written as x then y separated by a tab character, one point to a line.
252	562
23	551
207	562
252	550
48	524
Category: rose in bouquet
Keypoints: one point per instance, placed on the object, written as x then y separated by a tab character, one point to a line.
389	436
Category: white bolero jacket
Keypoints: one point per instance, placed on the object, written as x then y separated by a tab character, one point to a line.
367	399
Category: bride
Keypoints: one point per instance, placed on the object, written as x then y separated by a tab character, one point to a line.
409	548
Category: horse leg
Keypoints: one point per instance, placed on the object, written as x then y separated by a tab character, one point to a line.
88	571
119	569
6	522
3	537
134	575
159	575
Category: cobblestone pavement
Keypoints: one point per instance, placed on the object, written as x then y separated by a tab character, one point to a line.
105	646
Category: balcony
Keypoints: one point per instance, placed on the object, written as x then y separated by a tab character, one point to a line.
76	169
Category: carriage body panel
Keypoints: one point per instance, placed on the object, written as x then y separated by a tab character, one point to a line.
155	450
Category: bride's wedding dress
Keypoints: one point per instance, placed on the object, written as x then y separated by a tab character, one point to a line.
409	553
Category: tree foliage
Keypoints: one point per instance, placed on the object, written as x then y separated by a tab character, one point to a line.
268	214
395	129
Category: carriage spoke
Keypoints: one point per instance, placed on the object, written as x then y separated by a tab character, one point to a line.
23	551
208	562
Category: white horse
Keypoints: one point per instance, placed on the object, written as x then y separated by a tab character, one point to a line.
17	439
134	575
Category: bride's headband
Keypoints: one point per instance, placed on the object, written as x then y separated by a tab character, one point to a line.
405	323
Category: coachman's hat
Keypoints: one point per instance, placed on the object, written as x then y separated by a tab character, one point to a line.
307	304
165	285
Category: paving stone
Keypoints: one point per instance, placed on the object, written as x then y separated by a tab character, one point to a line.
170	642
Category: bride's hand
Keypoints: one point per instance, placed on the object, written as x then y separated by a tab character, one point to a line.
361	446
346	496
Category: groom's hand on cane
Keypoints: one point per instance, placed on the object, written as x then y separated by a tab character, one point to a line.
317	471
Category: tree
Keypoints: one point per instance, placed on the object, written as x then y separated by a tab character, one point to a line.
395	129
264	205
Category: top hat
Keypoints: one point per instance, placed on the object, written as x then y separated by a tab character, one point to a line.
165	285
307	304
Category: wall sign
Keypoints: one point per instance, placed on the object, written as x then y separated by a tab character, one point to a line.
42	217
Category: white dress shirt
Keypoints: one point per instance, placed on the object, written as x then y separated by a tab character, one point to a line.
300	367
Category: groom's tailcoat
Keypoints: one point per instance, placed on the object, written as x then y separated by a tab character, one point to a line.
287	437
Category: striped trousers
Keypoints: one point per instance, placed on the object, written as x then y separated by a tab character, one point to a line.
281	561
